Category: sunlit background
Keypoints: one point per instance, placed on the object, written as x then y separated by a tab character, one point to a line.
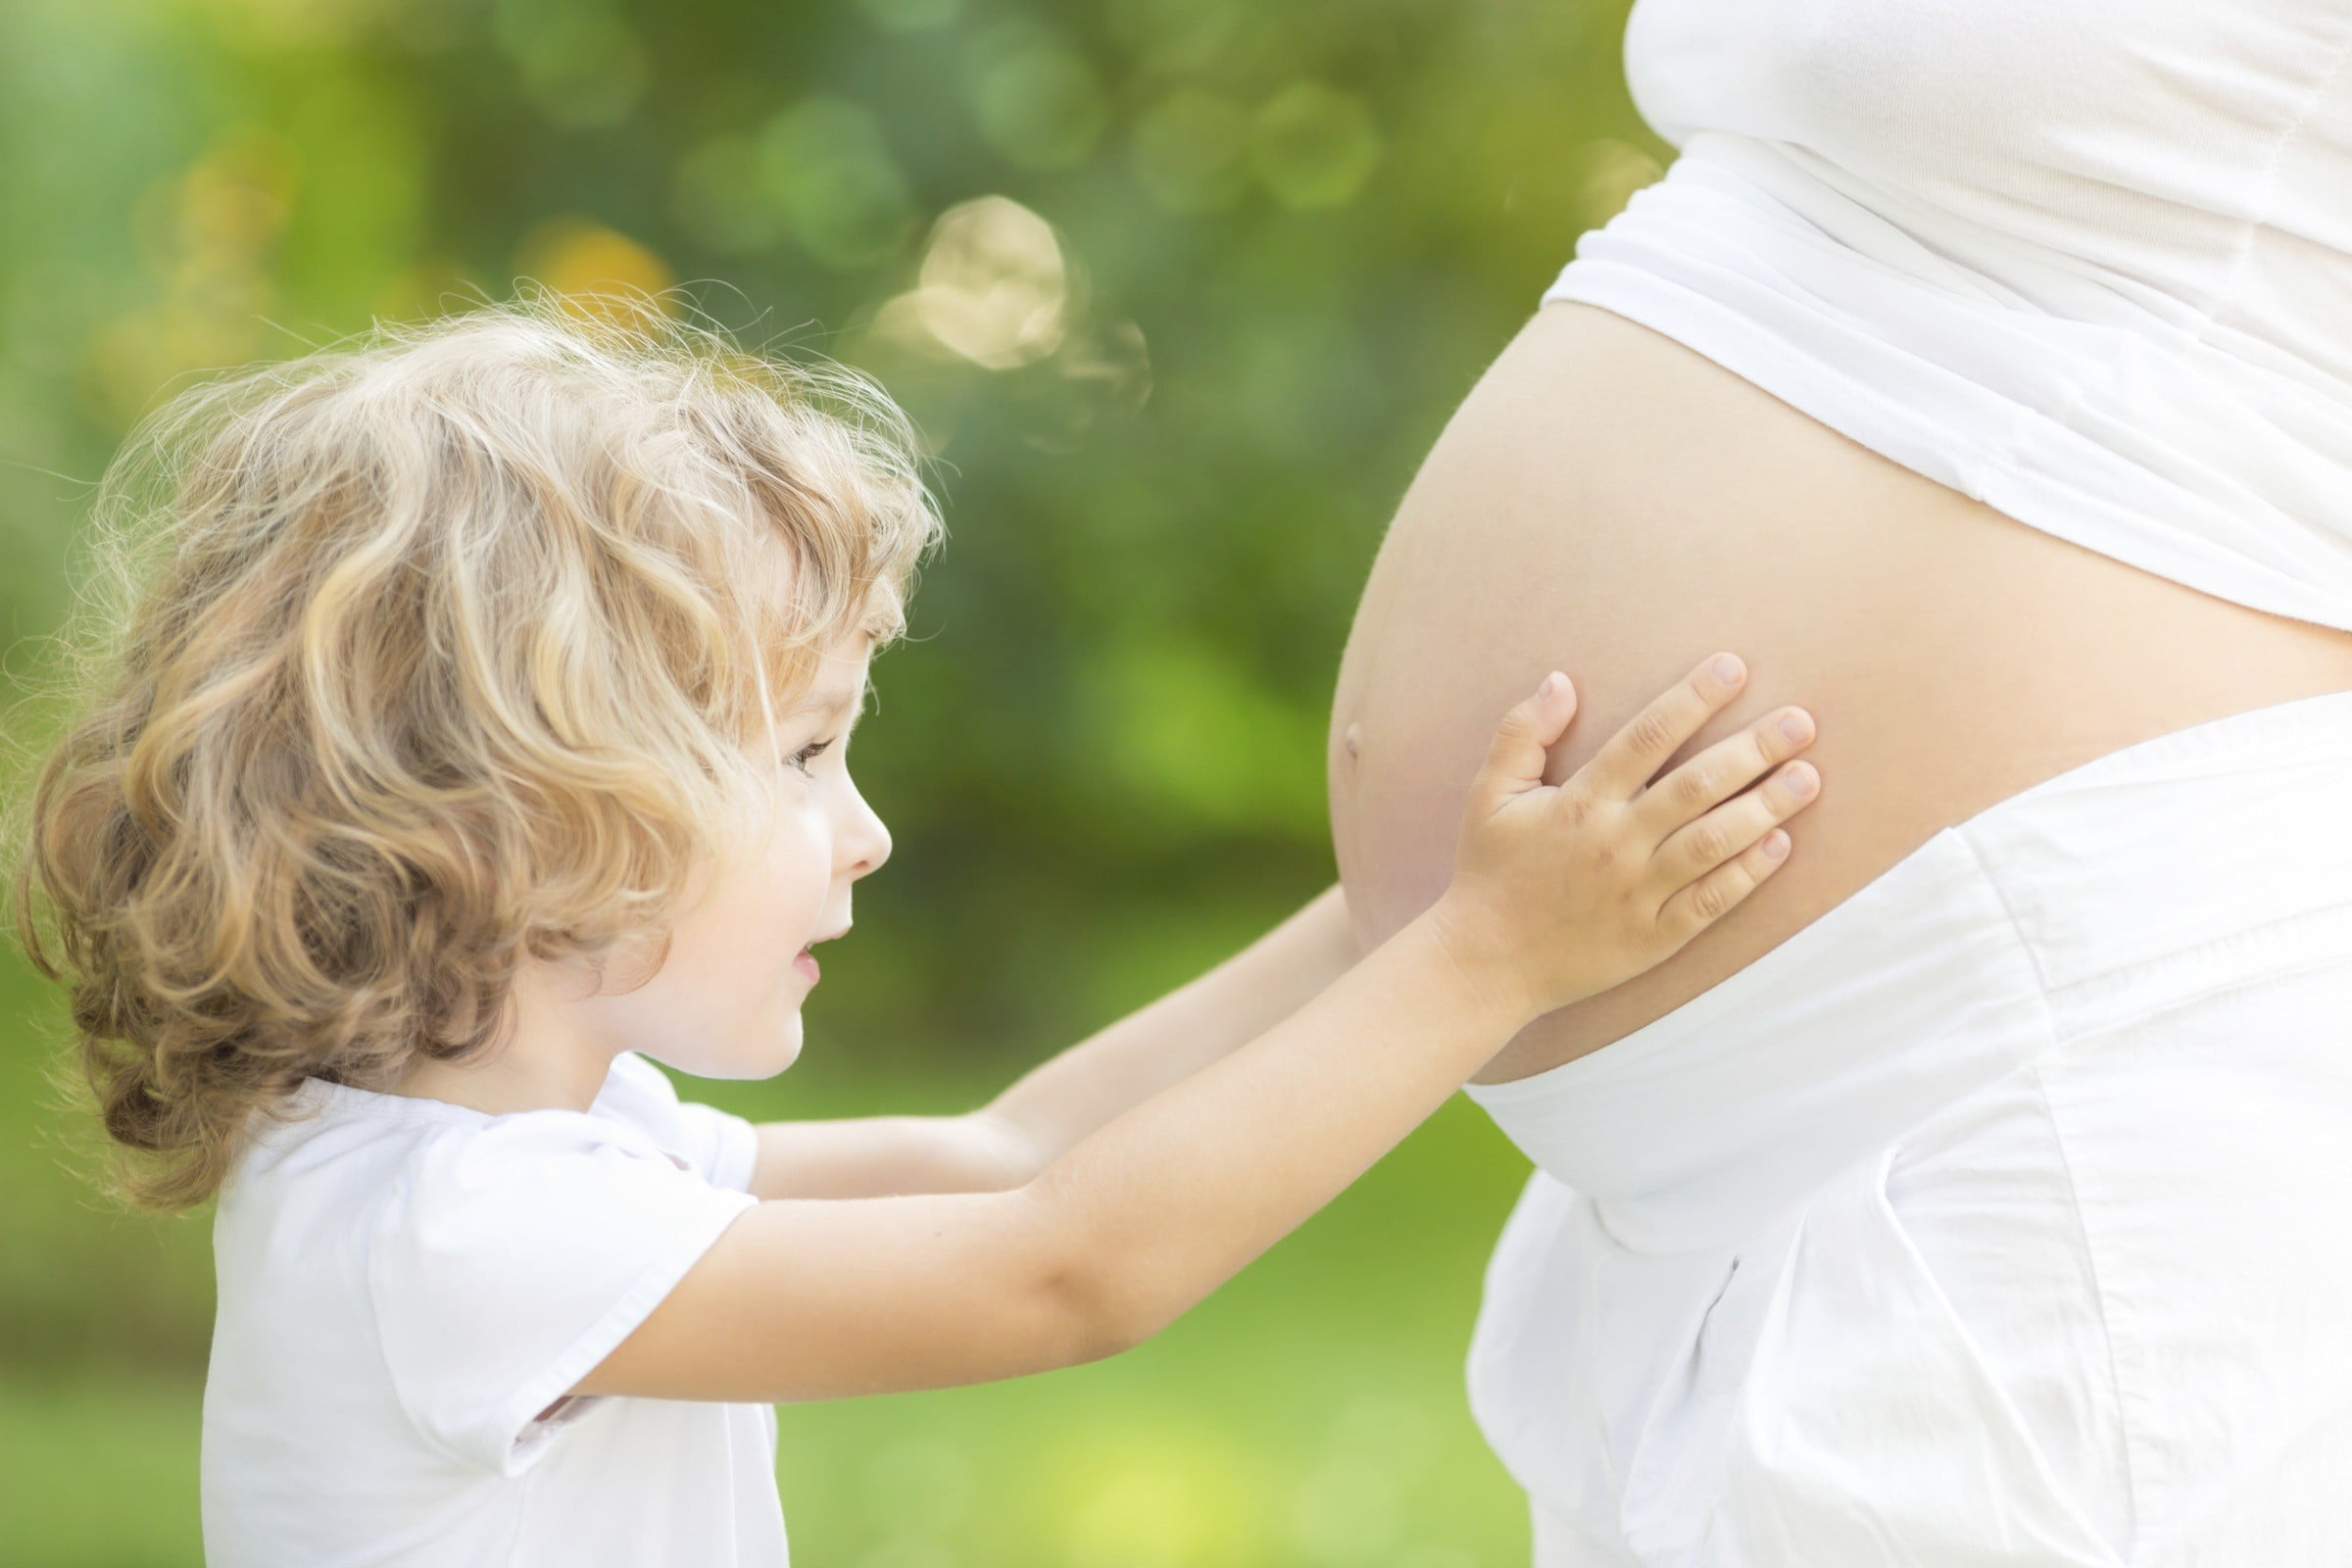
1178	291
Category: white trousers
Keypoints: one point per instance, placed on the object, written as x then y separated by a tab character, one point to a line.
2003	1215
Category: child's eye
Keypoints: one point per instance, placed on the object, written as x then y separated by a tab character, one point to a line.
808	753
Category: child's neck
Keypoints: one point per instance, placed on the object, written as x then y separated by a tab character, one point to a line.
511	1080
543	1061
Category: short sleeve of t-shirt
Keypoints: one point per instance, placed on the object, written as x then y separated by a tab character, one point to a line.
723	1147
514	1255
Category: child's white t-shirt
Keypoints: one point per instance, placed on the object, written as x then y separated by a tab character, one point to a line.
407	1286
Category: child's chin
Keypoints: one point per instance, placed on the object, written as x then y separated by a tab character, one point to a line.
762	1067
777	1055
763	1061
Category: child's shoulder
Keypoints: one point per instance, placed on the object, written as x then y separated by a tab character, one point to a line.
339	1151
336	1150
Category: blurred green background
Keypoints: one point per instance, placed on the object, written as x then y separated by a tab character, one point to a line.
1178	292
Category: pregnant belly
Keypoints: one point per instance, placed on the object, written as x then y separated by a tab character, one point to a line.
1610	504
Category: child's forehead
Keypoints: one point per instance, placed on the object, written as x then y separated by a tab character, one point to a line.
842	676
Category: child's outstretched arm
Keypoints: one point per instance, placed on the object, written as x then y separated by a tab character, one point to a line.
1018	1134
1558	891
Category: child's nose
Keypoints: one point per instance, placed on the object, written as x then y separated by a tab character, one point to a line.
866	844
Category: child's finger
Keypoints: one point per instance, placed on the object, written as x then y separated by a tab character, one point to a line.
1706	900
1741	822
1629	758
1721	771
1522	743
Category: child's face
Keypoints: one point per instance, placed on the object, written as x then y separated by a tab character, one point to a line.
726	1003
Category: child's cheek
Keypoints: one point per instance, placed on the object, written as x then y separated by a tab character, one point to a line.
800	857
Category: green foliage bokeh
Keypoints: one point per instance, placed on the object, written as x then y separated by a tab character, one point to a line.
1178	292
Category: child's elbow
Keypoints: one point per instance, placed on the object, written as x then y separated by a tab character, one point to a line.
1100	1295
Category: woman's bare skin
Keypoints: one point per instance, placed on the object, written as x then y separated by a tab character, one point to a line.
1605	503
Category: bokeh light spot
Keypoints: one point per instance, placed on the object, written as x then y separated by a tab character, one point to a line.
993	288
1163	1499
1188	150
1118	361
826	167
1178	36
1036	102
1314	146
210	237
594	269
305	24
582	66
719	195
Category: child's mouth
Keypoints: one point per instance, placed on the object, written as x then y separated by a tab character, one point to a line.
805	959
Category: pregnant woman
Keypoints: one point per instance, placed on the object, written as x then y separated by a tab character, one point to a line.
1981	1190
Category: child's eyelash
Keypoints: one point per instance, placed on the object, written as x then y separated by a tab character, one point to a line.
808	753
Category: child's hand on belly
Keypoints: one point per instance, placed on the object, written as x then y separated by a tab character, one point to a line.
1566	890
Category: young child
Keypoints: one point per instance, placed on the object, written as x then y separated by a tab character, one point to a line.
479	730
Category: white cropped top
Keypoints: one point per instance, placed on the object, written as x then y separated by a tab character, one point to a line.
2087	261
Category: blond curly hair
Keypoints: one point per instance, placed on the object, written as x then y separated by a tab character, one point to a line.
414	656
